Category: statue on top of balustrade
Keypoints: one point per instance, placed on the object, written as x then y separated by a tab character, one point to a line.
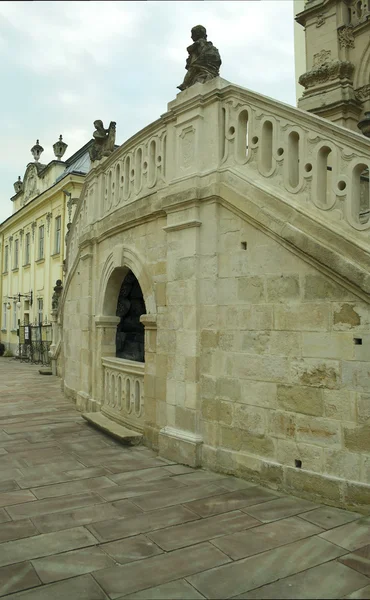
203	62
104	140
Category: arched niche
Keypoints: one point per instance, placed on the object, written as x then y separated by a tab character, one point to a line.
130	331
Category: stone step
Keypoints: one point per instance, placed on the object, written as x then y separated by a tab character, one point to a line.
45	372
121	433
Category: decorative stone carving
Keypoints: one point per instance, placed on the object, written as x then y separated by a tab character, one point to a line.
187	146
203	62
363	93
345	37
57	294
320	20
336	69
321	58
30	187
36	151
18	185
69	225
59	148
48	219
104	140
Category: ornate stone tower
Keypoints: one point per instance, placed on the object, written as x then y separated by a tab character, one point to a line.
337	81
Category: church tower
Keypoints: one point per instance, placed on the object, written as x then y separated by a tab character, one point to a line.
337	46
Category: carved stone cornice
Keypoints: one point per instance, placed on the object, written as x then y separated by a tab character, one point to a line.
345	37
336	69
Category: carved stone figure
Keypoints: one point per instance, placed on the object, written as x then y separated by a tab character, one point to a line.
203	62
18	185
104	140
57	294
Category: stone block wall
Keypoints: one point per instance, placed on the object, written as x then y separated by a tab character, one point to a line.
284	371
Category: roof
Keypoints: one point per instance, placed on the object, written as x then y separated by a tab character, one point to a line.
79	162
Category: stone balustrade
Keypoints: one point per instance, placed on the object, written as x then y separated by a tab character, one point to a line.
316	166
124	391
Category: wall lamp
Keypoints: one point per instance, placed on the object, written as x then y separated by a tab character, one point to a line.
18	296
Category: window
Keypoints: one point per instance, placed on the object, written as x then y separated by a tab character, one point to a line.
40	308
27	245
16	255
14	316
4	315
58	223
41	241
6	259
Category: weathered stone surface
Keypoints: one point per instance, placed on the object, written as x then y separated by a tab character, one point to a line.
316	373
301	399
313	484
357	439
282	288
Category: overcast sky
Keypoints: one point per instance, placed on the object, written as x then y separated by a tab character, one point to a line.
65	64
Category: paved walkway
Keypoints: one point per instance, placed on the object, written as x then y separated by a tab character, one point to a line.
84	518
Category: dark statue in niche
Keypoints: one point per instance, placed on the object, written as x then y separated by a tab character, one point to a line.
203	62
130	332
104	140
57	294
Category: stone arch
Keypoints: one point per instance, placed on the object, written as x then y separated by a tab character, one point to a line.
117	265
362	73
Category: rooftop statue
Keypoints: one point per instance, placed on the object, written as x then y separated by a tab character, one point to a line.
203	62
104	140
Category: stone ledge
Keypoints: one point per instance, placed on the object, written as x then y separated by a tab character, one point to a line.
124	435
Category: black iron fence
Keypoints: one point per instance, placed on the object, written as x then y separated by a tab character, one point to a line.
34	342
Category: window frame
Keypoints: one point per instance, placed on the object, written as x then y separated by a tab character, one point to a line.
6	258
41	253
57	234
16	254
27	248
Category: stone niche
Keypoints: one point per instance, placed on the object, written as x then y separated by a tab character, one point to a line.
130	332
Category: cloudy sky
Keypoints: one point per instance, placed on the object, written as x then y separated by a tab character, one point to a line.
65	64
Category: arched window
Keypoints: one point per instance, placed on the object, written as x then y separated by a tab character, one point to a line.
130	332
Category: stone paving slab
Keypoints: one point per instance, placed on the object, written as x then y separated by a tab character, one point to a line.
78	588
173	538
47	523
359	560
328	517
43	507
334	581
362	594
115	529
253	572
131	549
83	518
265	537
351	536
71	564
17	577
45	544
175	590
118	581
